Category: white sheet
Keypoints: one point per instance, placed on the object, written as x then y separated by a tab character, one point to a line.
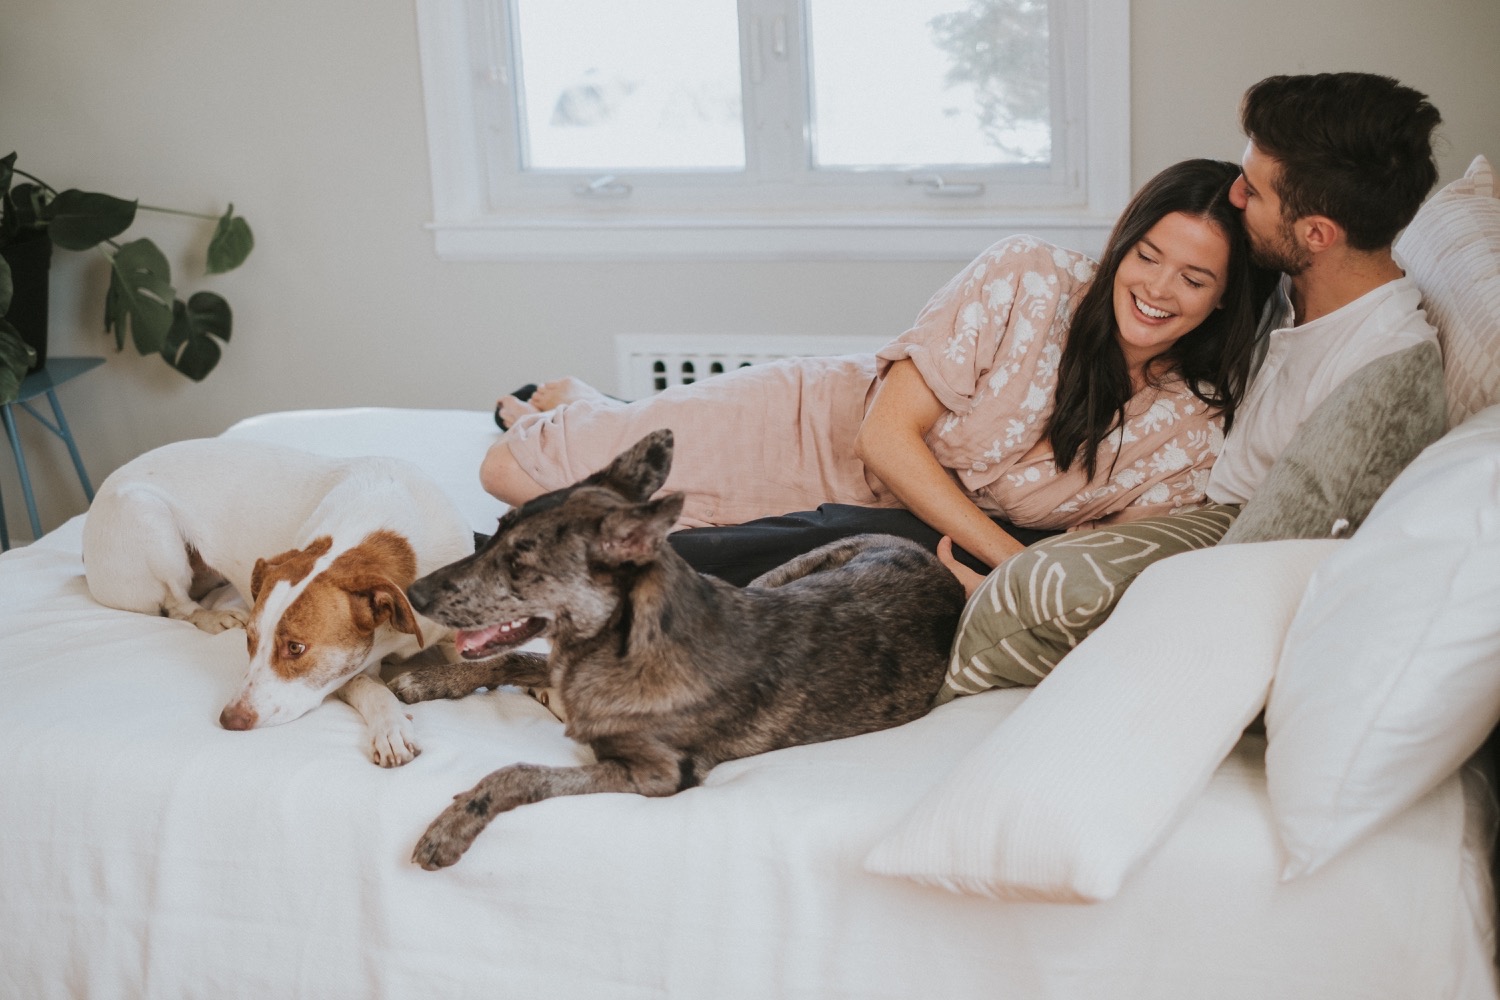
145	852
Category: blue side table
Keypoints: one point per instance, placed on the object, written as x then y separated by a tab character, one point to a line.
53	374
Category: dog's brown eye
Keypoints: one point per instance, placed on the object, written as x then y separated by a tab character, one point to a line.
295	648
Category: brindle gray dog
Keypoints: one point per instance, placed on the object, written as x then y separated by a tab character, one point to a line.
665	672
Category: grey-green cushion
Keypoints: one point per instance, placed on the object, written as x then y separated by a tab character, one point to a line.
1349	450
1041	603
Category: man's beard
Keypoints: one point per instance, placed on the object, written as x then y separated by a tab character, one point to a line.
1281	252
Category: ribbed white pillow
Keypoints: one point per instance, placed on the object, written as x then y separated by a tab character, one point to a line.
1391	674
1079	784
1452	251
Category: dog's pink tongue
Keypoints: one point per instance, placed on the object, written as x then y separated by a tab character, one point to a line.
468	642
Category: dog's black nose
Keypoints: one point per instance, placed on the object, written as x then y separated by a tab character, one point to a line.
420	595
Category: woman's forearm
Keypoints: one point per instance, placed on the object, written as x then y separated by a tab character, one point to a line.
891	442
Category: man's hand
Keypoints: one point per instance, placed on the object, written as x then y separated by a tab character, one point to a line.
966	576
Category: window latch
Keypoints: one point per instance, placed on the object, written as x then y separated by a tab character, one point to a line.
934	185
607	186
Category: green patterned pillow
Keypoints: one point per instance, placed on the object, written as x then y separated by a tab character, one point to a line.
1040	604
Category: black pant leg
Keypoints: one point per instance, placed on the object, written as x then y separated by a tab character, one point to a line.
741	552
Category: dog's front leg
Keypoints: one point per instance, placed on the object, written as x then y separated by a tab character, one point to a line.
454	680
393	740
456	827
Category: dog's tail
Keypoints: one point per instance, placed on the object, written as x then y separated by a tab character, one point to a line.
827	557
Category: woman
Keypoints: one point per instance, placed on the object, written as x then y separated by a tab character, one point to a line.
1035	387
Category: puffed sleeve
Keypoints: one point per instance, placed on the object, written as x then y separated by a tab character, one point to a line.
958	335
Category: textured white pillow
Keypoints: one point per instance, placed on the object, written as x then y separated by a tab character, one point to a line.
1452	251
1390	677
1082	781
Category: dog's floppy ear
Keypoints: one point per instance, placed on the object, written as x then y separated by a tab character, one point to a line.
634	533
639	471
377	599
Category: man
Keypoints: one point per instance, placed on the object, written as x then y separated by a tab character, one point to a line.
1337	165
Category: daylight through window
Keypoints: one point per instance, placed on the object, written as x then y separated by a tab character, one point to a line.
901	128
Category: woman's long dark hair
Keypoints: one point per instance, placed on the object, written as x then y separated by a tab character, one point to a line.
1093	383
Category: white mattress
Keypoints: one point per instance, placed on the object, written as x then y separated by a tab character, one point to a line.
146	852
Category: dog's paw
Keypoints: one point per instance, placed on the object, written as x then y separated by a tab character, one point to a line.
410	687
453	831
215	621
395	743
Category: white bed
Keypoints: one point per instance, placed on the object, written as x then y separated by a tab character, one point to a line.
146	852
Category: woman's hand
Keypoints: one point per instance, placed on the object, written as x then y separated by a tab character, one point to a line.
966	576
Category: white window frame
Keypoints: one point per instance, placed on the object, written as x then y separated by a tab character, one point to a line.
482	211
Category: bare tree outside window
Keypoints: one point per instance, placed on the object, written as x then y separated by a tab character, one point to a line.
999	52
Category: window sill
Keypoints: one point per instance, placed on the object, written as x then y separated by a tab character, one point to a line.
777	239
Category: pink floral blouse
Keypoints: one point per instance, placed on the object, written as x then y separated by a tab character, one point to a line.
988	346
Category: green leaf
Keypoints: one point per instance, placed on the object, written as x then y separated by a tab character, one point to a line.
15	358
7	286
140	296
190	345
231	244
7	173
81	219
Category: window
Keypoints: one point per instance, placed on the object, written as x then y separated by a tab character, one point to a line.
896	129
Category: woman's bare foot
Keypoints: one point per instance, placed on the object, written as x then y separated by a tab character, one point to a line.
512	409
549	396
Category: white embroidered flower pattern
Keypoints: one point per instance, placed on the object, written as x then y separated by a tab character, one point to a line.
1172	458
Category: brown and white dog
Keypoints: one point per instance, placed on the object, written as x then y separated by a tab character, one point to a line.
320	549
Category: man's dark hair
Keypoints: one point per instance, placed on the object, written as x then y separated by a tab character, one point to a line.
1355	147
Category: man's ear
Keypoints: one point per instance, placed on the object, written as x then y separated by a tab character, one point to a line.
636	532
1319	232
385	602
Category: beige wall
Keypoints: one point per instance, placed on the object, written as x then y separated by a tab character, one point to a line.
308	116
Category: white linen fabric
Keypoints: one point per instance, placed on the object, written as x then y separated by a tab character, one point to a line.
1391	674
146	852
1076	788
1302	366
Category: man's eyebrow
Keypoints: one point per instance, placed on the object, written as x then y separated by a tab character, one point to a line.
1186	267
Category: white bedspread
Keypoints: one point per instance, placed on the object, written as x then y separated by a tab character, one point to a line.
146	852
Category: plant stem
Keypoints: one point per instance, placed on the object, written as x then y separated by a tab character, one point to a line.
176	211
34	177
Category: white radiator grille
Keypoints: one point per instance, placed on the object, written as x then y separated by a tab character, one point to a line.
650	362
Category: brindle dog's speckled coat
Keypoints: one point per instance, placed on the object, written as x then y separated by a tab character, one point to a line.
665	672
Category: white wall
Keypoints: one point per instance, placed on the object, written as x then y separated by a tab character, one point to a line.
308	116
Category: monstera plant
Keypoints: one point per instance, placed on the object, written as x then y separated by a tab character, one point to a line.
141	303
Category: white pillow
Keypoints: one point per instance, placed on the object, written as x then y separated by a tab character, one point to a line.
1452	251
1082	781
1391	674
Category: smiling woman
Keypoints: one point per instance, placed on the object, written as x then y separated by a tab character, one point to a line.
1167	286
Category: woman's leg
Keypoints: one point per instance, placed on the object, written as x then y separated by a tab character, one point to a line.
503	478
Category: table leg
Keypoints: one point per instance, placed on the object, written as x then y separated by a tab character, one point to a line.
15	447
67	436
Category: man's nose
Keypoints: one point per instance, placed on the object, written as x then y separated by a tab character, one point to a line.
1237	193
